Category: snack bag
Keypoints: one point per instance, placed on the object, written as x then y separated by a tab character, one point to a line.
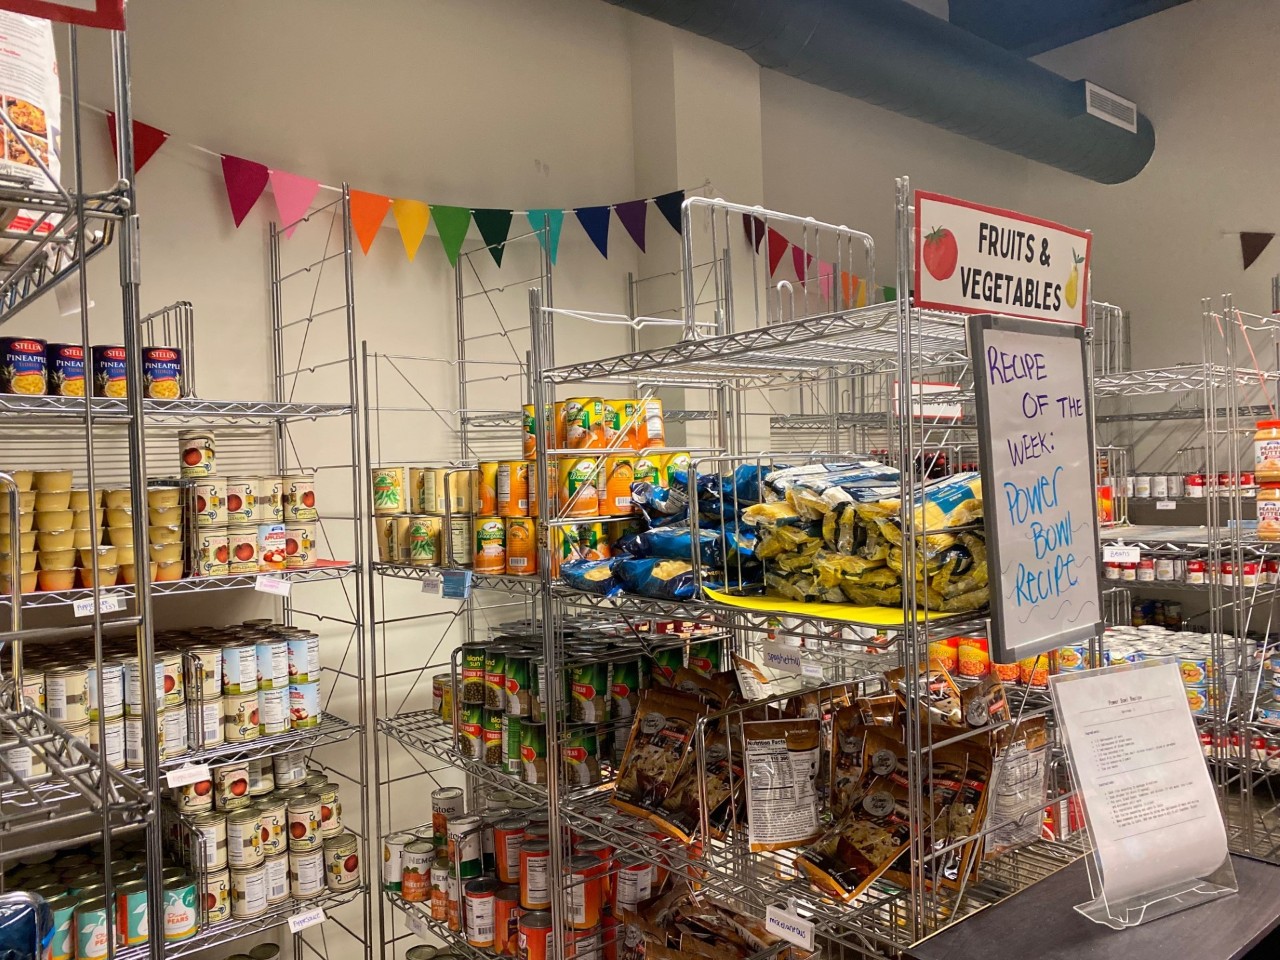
781	760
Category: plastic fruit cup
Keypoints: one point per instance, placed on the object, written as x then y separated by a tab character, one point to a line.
84	539
124	555
26	501
107	556
167	571
107	576
118	499
119	516
25	522
23	478
27	562
26	541
57	579
120	536
52	480
166	553
164	534
163	498
56	539
53	500
80	500
27	582
129	572
164	516
57	559
84	519
51	520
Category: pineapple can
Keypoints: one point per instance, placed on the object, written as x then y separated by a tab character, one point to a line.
162	373
109	372
65	363
23	369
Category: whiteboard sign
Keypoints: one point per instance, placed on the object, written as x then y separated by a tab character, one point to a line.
979	259
1036	451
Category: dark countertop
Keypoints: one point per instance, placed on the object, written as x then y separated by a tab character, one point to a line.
1041	922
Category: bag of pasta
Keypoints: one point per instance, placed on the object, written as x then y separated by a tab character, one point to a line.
656	750
781	760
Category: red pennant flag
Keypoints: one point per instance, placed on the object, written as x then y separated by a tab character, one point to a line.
245	182
146	141
754	227
368	210
801	260
777	247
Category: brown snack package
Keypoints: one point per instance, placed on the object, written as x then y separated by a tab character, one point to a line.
681	810
659	742
781	759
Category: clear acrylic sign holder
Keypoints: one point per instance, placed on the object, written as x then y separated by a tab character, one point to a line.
1160	899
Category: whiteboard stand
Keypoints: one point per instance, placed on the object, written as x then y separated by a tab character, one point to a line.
1161	900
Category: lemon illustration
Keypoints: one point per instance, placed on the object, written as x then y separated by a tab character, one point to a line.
1073	282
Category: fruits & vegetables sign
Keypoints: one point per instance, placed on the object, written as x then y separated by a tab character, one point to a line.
108	14
978	259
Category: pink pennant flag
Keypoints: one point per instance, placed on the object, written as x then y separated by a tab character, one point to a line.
825	273
801	260
293	197
245	181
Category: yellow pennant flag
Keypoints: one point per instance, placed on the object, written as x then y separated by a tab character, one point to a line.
862	294
411	217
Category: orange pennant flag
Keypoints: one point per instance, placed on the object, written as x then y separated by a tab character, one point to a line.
848	284
368	210
412	217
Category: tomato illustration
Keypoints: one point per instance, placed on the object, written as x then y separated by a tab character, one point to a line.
203	787
201	504
170	683
940	253
291	546
239	788
210	901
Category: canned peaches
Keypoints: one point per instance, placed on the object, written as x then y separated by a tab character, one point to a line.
487	488
615	489
522	547
577	491
512	488
581	423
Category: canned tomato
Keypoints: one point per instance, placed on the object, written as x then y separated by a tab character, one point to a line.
197	455
508	838
268	506
231	785
274	818
534	936
290	768
446	805
240	668
304	658
24	370
270	546
174	742
240	717
249	892
304	705
299	545
415	876
466	846
64	369
272	656
298	497
162	373
91	929
304	822
478	911
273	712
242	499
217	896
111	749
633	883
276	870
306	873
109	376
112	689
490	554
181	919
342	862
67	694
535	875
204	723
244	839
203	671
393	860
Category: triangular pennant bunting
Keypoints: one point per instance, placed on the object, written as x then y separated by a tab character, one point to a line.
494	225
862	293
293	195
777	247
849	287
669	205
412	217
245	182
801	260
368	210
452	222
547	223
595	220
754	227
146	140
888	293
632	216
1252	245
826	272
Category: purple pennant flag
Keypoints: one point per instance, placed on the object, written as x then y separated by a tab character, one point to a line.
669	205
754	227
632	215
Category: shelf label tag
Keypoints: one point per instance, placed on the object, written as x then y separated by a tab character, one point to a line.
419	926
789	927
779	656
273	585
811	670
1165	504
109	603
192	773
300	921
456	584
1121	554
431	585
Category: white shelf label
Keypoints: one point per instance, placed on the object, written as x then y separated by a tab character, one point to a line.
778	656
1121	554
789	927
273	585
300	921
431	586
1165	504
419	926
192	773
109	603
811	670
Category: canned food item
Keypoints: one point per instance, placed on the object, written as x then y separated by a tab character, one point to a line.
249	892
529	427
240	717
672	466
268	506
513	488
273	712
91	927
589	693
535	875
342	862
462	486
633	883
615	486
214	552
438	889
490	545
423	541
388	490
290	768
62	941
217	896
478	911
438	684
112	748
465	846
181	919
393	860
306	873
582	758
471	731
270	546
427	489
304	705
276	873
491	736
231	785
495	678
974	657
131	913
584	426
304	813
1073	658
210	501
173	742
242	500
304	658
576	490
512	730
244	839
198	456
508	838
447	803
204	724
521	547
272	657
330	809
415	877
64	369
461	533
1034	671
240	668
202	668
162	373
67	694
211	839
506	920
298	497
516	678
534	935
33	688
112	689
533	751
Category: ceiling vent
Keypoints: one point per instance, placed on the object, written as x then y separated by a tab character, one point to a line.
1105	105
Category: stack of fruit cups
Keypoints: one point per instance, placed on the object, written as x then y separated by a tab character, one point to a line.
24	550
164	529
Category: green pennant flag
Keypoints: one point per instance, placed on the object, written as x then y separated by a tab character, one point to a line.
452	222
493	226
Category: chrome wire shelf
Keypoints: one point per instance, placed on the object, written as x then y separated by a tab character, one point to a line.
125	593
775	352
419	914
1182	378
331	729
479	581
186	410
216	934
